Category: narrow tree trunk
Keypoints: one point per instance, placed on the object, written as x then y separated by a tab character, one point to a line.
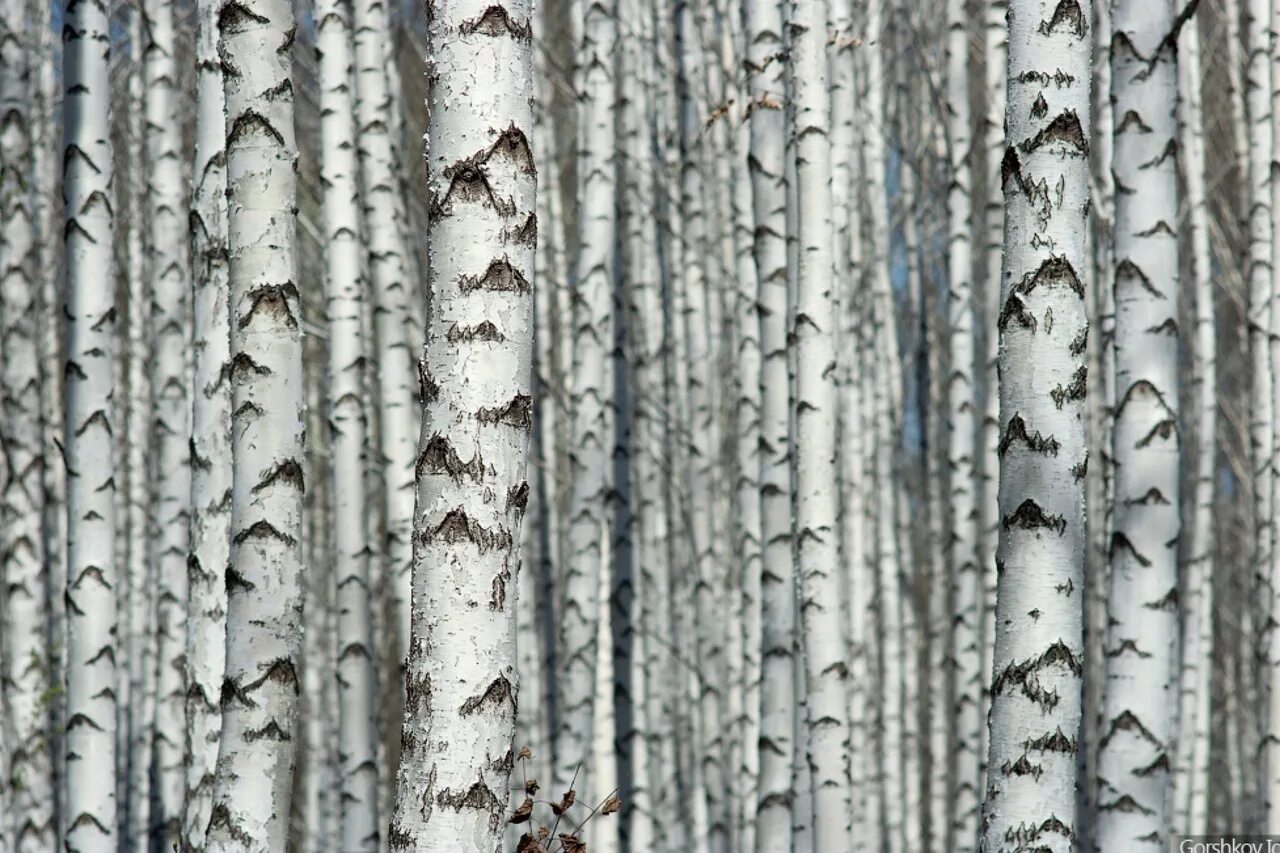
25	674
169	286
347	422
89	447
395	343
1192	765
476	385
1140	697
254	777
1039	651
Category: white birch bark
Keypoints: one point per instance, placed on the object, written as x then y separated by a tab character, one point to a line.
169	286
995	49
1035	712
961	432
476	383
1192	764
395	337
25	674
591	425
1140	695
1270	790
136	736
254	776
1258	110
210	436
765	68
813	442
90	308
347	425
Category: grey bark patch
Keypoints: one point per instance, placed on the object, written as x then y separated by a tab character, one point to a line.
288	472
485	331
1017	431
1074	390
237	18
1067	17
428	390
1022	767
1055	742
496	21
457	526
1120	541
274	300
1064	133
1031	516
500	276
263	529
1131	121
517	413
250	123
271	731
1127	721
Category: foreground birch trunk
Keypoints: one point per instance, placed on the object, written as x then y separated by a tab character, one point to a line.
87	171
347	421
254	778
1035	713
1140	698
210	435
26	792
476	381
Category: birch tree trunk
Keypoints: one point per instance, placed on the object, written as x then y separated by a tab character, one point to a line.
395	342
476	381
87	174
1139	699
961	419
1192	765
169	285
1270	791
25	674
1258	109
1035	711
813	441
254	778
765	69
210	436
347	422
591	423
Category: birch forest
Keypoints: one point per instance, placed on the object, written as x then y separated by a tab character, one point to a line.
690	426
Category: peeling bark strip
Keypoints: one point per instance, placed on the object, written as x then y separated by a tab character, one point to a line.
92	577
461	709
254	777
348	421
1030	796
210	436
1140	682
26	788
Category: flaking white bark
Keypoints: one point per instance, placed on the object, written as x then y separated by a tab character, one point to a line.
476	381
1035	713
254	777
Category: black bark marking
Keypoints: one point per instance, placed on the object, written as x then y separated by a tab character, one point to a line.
243	364
458	526
518	497
1170	151
288	471
485	331
1160	765
1133	121
527	234
1017	431
1080	342
499	276
236	18
496	21
1118	541
1015	309
1128	722
498	692
1022	767
1056	742
98	417
249	122
428	390
263	530
1075	390
1168	327
1054	271
440	457
1067	16
271	731
516	413
469	183
1064	131
1040	108
478	797
1031	516
272	300
1153	496
1025	675
1164	430
1140	390
1166	604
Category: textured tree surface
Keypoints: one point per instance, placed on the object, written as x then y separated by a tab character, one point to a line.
1140	695
475	379
92	578
1039	654
254	780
